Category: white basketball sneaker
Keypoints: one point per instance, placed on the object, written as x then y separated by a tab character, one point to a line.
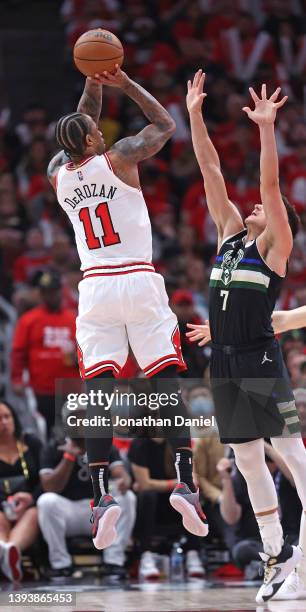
293	588
277	569
194	565
148	569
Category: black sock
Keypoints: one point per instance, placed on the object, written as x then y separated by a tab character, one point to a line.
179	437
183	464
99	445
99	478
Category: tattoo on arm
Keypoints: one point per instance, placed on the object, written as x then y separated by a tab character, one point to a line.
153	137
145	144
91	100
150	107
56	162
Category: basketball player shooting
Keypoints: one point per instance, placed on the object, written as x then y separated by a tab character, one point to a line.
250	384
122	299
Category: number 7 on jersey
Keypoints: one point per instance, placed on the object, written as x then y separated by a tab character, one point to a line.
224	293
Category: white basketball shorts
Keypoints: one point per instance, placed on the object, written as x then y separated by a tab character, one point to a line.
122	305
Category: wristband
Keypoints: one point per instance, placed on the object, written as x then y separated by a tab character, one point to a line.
69	457
170	485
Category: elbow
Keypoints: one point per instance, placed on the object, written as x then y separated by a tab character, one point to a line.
210	171
48	487
169	127
232	520
172	126
270	185
142	487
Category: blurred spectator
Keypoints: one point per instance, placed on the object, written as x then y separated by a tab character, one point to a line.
64	508
44	345
207	454
300	398
154	474
31	171
35	258
296	363
19	489
33	124
182	303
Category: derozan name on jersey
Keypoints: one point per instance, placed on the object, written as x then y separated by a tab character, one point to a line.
90	191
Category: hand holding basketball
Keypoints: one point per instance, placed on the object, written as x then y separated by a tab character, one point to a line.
117	79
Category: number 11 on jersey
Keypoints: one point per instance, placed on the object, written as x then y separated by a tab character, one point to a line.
224	295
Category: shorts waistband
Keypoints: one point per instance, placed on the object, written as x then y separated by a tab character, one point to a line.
229	349
130	268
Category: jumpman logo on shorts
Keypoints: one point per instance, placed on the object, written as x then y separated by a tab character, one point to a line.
266	358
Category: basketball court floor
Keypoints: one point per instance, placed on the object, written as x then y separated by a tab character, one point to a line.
98	596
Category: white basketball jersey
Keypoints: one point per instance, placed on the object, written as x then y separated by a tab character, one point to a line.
109	218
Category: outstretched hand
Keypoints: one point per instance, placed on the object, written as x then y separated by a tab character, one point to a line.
117	79
265	108
195	95
199	333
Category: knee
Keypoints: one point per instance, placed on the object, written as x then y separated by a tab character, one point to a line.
32	513
47	503
295	461
244	458
4	522
128	500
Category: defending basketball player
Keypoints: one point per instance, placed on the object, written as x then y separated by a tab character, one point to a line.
250	384
122	299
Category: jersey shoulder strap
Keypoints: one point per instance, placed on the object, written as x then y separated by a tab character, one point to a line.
231	240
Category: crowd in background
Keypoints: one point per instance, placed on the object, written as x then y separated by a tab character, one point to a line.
237	43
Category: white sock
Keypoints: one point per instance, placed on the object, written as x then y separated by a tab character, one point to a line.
101	481
301	569
271	533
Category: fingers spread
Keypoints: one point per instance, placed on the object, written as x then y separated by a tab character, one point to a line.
264	91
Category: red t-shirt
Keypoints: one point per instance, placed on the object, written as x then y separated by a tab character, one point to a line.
43	343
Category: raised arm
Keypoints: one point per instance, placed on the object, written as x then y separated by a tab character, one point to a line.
153	137
275	243
91	99
89	104
224	213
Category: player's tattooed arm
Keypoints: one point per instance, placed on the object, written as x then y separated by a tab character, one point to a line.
91	99
153	137
54	165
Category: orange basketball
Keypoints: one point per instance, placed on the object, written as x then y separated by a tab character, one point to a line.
96	51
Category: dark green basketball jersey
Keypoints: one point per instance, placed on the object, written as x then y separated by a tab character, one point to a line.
243	292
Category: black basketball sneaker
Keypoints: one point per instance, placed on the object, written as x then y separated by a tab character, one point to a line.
188	504
104	518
